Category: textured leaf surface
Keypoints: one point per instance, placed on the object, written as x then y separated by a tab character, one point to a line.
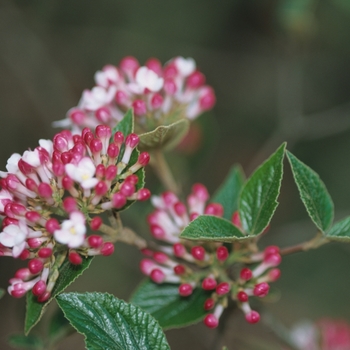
126	125
212	228
340	231
165	304
229	191
258	200
68	273
313	193
110	323
164	136
26	342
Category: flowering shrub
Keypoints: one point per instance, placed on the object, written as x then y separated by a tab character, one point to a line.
204	256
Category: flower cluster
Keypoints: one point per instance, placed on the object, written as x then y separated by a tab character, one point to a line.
208	265
155	92
50	195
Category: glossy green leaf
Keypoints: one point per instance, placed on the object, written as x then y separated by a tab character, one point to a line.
165	304
110	323
164	136
340	231
31	342
68	273
212	228
126	125
258	200
313	193
228	193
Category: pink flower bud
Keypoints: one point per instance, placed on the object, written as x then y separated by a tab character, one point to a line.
35	266
33	216
39	288
75	258
34	242
96	146
113	150
214	209
274	274
103	115
209	283
261	289
157	101
95	223
195	80
44	297
23	274
45	252
223	288
101	188
129	64
107	249
160	257
208	100
118	200
252	317
180	208
77	116
155	65
143	194
100	171
121	98
179	250
111	172
127	189
209	304
140	107
157	232
211	321
273	259
70	204
246	274
95	241
198	252
222	253
185	289
200	191
45	190
179	269
143	158
132	140
272	249
242	297
157	276
52	225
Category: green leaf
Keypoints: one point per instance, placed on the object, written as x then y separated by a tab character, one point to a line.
340	231
313	193
26	342
258	200
2	292
212	228
59	327
164	136
110	323
126	125
228	193
68	273
165	304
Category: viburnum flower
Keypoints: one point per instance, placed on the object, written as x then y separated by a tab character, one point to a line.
155	92
205	265
50	195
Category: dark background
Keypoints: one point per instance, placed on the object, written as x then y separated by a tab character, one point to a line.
281	72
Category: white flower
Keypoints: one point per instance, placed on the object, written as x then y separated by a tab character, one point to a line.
5	197
97	97
83	173
14	236
148	79
186	66
72	231
32	158
46	144
108	75
12	165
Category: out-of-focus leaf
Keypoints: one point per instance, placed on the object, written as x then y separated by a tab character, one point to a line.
31	342
228	193
126	125
165	304
340	231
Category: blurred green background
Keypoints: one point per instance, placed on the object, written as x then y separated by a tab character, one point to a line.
281	72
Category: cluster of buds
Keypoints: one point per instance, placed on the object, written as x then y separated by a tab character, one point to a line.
50	195
207	265
153	91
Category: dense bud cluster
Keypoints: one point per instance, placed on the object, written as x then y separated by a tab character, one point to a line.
207	265
153	91
50	195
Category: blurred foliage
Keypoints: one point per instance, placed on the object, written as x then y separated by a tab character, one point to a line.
281	72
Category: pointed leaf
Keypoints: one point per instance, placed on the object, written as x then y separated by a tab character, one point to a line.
313	193
126	125
165	304
212	228
68	273
110	323
228	193
26	342
258	200
340	231
164	136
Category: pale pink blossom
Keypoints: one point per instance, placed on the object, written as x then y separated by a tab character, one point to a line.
83	173
14	236
147	79
72	231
